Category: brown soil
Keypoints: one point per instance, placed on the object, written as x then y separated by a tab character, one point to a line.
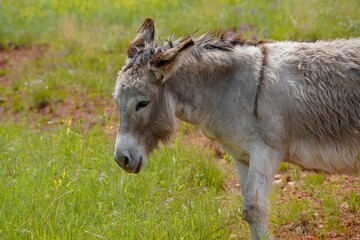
306	228
11	59
89	110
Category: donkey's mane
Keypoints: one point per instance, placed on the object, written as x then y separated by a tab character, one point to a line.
213	41
220	40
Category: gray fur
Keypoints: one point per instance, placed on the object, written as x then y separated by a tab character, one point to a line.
263	102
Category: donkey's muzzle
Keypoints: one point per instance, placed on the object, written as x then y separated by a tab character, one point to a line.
128	164
129	155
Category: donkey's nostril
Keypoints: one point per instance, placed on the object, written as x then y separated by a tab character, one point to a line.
126	161
123	160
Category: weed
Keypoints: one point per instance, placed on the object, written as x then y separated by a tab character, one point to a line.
354	201
62	185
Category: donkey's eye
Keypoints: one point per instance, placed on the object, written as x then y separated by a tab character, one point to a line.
141	104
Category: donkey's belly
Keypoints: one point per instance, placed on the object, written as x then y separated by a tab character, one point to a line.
327	159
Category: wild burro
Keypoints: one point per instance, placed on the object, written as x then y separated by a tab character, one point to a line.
279	101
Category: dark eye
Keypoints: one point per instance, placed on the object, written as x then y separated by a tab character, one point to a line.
141	104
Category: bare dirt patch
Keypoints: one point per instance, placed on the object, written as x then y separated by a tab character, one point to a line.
13	57
90	112
308	227
79	107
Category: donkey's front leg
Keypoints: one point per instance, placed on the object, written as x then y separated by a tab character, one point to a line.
264	163
242	167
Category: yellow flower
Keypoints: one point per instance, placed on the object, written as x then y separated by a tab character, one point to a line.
56	184
69	122
64	174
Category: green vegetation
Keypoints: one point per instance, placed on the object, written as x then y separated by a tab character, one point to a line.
58	65
110	21
64	185
88	39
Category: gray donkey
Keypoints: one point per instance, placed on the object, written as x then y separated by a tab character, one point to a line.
264	103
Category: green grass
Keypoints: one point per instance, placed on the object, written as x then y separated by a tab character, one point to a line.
110	21
63	185
59	180
87	39
314	205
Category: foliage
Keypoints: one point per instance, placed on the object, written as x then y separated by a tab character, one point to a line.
49	20
62	185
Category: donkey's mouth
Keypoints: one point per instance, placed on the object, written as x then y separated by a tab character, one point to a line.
137	170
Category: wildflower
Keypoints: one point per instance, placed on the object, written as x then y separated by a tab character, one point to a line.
64	174
68	124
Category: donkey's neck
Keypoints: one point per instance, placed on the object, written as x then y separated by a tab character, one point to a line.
202	83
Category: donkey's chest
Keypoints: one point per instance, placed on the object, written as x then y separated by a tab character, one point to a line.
233	137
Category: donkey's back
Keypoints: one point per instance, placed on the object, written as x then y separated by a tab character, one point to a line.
320	102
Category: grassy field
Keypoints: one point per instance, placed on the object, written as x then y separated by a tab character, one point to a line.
64	185
58	65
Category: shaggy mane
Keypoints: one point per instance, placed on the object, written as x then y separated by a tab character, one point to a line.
213	41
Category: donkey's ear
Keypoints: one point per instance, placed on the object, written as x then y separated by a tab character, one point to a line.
164	63
145	35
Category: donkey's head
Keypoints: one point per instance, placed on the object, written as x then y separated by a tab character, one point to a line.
147	112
